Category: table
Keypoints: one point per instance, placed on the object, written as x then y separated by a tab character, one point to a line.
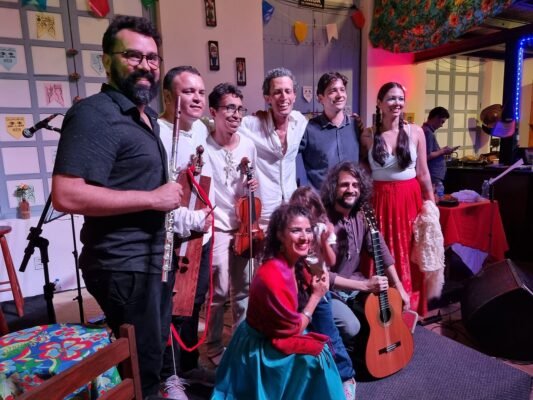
476	226
30	356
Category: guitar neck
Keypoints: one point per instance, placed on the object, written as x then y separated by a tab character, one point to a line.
380	268
378	256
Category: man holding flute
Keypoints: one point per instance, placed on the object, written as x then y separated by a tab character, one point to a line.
186	83
111	167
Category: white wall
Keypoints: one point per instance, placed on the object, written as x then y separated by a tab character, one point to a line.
493	83
239	33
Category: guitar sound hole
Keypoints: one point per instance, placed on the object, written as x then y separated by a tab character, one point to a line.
385	315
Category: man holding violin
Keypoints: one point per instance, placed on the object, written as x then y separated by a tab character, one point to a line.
226	149
191	223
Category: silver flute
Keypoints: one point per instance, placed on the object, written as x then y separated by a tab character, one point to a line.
173	171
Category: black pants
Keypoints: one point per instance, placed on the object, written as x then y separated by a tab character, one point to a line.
145	302
187	327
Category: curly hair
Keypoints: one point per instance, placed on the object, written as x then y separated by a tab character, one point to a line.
379	149
328	191
136	24
280	219
277	73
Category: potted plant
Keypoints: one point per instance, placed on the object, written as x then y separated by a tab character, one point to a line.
24	193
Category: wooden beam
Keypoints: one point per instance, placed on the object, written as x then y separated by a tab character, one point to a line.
465	45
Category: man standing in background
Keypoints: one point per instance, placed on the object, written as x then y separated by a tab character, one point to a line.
331	137
276	134
435	154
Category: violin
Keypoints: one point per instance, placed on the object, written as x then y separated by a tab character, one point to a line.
196	163
248	208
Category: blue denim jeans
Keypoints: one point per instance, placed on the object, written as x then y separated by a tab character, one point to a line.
323	323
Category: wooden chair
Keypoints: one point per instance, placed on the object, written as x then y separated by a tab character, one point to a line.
122	351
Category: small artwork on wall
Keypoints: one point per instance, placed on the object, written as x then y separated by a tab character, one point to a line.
241	71
214	55
410	117
210	13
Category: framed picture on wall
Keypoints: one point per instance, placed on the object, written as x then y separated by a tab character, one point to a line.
210	13
240	64
214	55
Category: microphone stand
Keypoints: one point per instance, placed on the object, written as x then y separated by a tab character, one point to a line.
36	240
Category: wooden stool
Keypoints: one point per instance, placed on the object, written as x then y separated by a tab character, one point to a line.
13	281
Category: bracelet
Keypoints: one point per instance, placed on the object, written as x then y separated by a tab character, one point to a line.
308	315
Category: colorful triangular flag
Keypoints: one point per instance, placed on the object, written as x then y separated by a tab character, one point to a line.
40	4
332	32
99	7
268	11
148	3
300	31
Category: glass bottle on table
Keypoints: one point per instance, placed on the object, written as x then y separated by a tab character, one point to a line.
439	190
485	189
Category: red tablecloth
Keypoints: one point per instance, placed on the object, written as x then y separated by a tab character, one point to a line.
471	224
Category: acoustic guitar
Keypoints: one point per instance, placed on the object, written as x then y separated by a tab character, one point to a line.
390	342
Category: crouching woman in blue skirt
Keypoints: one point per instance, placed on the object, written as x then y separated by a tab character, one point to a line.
270	355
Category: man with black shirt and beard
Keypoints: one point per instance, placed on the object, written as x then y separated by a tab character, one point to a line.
111	167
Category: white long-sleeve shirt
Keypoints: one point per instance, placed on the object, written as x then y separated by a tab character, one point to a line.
186	220
275	171
229	182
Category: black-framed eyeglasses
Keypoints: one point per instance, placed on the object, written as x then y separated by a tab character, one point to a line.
232	109
134	58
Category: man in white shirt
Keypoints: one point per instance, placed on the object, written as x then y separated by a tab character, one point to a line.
276	134
226	149
186	82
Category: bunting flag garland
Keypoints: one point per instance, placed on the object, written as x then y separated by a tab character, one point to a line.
332	32
300	31
99	7
40	4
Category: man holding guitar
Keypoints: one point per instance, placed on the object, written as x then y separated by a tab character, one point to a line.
346	188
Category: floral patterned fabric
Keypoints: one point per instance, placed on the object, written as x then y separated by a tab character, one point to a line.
404	26
30	356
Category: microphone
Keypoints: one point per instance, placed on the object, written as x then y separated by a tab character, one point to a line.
29	132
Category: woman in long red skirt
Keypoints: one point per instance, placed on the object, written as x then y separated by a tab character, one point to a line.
397	159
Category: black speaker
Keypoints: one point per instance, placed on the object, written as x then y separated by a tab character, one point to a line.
497	309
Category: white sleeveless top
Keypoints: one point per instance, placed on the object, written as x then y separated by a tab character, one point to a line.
390	171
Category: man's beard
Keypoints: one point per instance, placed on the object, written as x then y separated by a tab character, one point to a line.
344	204
139	94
